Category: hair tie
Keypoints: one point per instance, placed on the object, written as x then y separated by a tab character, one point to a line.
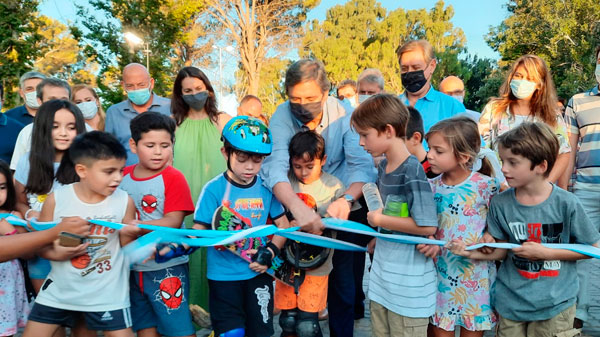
483	153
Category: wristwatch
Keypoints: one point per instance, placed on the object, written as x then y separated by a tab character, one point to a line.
349	199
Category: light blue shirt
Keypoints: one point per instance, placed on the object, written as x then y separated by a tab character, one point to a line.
434	107
346	159
119	115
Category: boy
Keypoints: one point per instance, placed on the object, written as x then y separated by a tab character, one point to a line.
403	282
162	197
300	311
240	295
536	287
94	283
414	140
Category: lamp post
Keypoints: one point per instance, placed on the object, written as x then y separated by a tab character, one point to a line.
228	49
135	40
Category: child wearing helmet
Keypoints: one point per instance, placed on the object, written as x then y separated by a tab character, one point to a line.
240	294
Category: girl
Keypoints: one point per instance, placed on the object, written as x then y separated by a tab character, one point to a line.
528	94
56	124
13	297
198	145
462	193
88	102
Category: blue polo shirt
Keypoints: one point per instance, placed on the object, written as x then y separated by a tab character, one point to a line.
119	115
9	131
434	107
20	114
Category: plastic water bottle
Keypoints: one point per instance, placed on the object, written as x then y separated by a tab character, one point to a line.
372	196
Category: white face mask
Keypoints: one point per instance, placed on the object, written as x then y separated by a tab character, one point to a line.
460	98
31	100
88	109
362	98
597	73
522	88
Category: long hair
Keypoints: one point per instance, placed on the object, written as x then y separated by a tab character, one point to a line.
11	195
101	113
543	101
462	135
179	107
43	153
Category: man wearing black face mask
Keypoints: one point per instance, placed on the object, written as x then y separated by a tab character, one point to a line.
417	64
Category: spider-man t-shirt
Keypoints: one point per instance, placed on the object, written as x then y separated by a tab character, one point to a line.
155	196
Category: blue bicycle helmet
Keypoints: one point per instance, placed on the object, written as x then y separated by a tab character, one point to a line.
248	134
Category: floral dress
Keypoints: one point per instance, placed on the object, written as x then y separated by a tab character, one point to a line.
464	285
14	308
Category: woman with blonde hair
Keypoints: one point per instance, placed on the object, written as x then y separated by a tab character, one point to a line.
528	94
88	102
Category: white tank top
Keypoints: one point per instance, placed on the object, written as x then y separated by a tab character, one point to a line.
99	279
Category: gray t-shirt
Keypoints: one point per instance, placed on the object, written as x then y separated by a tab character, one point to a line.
402	279
537	290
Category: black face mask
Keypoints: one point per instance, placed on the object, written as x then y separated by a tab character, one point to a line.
413	81
306	112
196	101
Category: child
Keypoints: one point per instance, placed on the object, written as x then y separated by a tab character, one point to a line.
13	301
462	197
414	140
240	296
300	311
402	284
162	197
95	282
536	287
56	125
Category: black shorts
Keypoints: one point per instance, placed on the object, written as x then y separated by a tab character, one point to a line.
244	304
101	321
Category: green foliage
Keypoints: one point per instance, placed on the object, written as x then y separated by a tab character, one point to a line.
481	81
563	33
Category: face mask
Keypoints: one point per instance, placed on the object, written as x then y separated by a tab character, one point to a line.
140	96
88	109
31	100
306	112
196	101
460	98
362	98
353	102
597	73
522	88
413	81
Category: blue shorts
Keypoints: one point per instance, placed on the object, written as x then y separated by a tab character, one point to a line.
102	320
159	298
38	268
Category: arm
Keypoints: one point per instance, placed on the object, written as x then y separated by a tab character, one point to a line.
340	208
559	169
566	176
400	224
535	251
222	119
172	219
22	203
307	219
458	248
130	232
277	241
484	125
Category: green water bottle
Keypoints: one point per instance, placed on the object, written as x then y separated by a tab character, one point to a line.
395	205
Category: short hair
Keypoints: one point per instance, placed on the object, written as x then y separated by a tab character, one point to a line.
415	123
380	110
148	121
422	45
11	195
86	149
372	78
51	82
249	98
29	75
307	143
534	141
307	70
347	83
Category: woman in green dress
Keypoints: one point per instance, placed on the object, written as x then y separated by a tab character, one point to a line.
197	153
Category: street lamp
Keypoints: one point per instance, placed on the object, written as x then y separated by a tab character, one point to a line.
135	40
228	49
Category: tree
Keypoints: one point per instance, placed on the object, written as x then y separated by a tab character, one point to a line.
480	72
563	33
259	30
18	39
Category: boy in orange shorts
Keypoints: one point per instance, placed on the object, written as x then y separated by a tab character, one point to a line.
299	312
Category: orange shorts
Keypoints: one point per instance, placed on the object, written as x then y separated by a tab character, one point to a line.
312	294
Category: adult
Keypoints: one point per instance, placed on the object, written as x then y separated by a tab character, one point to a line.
309	107
9	131
454	87
140	98
27	84
527	94
251	106
197	153
417	64
88	102
583	118
346	91
47	90
370	82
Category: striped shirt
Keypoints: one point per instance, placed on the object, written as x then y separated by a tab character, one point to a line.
403	280
583	117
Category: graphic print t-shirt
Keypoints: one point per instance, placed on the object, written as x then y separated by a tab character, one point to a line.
537	290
